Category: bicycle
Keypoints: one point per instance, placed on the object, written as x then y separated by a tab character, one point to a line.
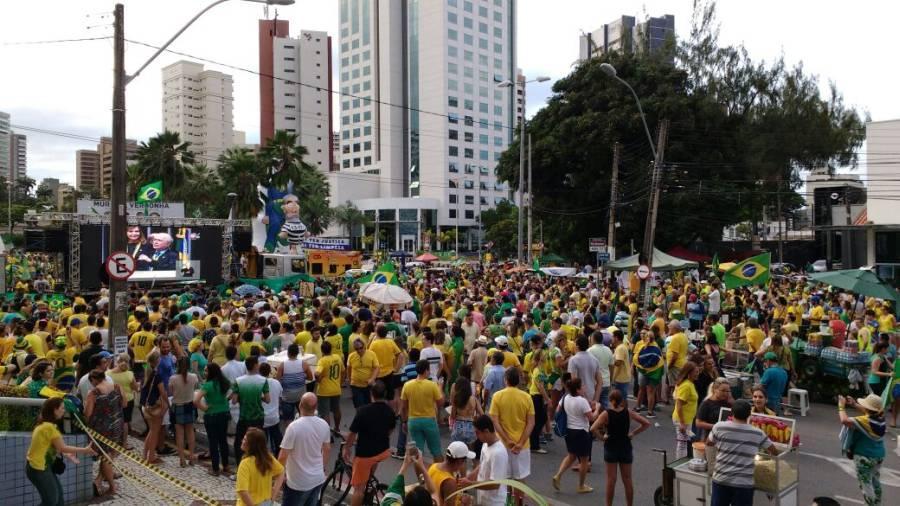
339	480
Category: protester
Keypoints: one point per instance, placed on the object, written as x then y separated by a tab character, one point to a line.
304	451
154	403
103	408
249	392
45	448
863	441
579	416
421	399
774	380
272	409
717	397
493	463
329	371
212	398
371	432
512	412
685	407
259	473
181	388
617	450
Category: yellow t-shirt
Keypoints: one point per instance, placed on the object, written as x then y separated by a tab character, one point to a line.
755	338
623	372
886	323
142	344
512	406
386	350
509	358
314	347
535	375
124	380
329	371
361	367
63	361
257	485
816	314
41	449
422	394
37	345
302	338
200	325
678	344
244	349
337	345
687	394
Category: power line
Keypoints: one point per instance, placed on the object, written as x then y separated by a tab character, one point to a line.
55	41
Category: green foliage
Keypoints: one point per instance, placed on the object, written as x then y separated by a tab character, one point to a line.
350	218
740	132
164	158
500	226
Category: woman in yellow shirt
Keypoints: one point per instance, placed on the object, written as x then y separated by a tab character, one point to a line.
46	444
259	474
685	407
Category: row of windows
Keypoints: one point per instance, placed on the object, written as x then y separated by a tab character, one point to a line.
365	146
452	18
469	40
468	121
469	214
483	75
347	104
470	199
469	153
469	89
356	118
366	56
357	162
483	139
467	7
356	132
469	56
355	73
469	105
469	168
366	86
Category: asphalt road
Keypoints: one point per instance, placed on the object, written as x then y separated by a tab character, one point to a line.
822	470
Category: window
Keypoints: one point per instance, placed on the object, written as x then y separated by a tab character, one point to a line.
356	147
367	160
498	63
468	72
498	141
354	44
367	55
451	3
452	34
468	104
367	145
468	88
356	118
452	68
470	214
468	56
498	110
451	51
483	155
469	169
355	102
454	134
452	85
452	118
345	105
469	153
469	200
469	136
367	116
345	61
483	185
345	164
498	47
355	73
469	121
451	183
483	139
450	212
345	134
345	47
482	11
498	126
355	132
345	148
482	60
367	85
482	107
467	22
468	184
483	76
452	198
452	167
355	58
453	151
367	70
482	44
367	130
345	76
498	16
451	17
483	92
498	200
498	32
452	102
467	6
483	200
468	39
315	268
355	88
482	27
356	162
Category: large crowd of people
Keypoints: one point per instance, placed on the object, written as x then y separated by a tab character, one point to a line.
501	362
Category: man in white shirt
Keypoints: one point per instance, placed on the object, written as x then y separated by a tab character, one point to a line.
494	464
434	357
715	299
304	452
471	330
271	413
232	370
604	355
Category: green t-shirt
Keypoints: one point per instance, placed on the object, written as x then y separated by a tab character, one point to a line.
345	332
394	494
250	389
201	362
719	331
216	399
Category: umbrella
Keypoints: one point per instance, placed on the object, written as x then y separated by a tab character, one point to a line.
426	257
383	294
245	290
858	281
726	266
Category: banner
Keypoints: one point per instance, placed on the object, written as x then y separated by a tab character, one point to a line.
161	209
327	243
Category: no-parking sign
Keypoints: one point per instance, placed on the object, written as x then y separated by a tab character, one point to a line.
120	265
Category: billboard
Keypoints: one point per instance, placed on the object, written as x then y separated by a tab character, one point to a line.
161	209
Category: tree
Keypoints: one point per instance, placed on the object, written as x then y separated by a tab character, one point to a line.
740	131
44	195
313	191
500	226
240	172
349	217
165	158
283	157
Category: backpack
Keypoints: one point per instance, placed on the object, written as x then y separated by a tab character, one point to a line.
561	419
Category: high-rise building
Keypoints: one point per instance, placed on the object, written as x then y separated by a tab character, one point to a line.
625	34
105	152
5	132
297	97
18	157
335	151
520	98
420	105
65	191
52	184
198	105
87	170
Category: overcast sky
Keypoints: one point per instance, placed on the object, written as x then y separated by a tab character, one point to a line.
67	87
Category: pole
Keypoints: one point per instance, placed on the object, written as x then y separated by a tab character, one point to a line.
780	229
118	222
613	195
650	230
9	190
846	246
521	180
530	204
478	204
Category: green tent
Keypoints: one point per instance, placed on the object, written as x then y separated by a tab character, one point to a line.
552	258
277	284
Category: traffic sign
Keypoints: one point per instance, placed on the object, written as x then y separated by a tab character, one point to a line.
643	271
596	244
120	265
602	257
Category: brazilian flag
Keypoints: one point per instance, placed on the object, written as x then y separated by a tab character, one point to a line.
715	262
385	273
752	271
150	192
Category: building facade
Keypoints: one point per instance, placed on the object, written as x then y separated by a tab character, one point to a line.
87	170
626	34
18	156
5	131
198	104
105	152
420	101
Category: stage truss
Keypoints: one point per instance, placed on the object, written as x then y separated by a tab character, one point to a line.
74	222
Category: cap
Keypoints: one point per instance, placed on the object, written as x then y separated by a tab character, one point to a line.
770	356
501	341
104	354
481	340
459	450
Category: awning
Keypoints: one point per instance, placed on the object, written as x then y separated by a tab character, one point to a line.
661	262
686	254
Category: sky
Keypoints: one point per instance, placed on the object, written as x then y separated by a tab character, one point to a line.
68	86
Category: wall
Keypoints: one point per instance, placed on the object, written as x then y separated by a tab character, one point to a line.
883	171
16	490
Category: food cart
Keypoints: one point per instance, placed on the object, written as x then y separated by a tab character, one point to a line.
775	477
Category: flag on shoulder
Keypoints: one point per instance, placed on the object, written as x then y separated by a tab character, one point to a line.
752	271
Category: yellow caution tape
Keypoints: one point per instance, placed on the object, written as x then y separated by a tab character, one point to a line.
144	463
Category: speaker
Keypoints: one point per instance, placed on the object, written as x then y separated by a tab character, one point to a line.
241	240
46	241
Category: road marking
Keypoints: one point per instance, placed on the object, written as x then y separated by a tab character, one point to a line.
848	499
889	477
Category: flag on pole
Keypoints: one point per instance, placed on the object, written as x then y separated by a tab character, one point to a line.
385	273
752	271
150	192
715	262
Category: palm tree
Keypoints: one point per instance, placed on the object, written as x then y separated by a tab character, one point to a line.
315	207
165	158
240	172
283	157
205	196
350	218
133	173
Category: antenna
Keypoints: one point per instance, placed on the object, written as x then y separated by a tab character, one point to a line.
266	10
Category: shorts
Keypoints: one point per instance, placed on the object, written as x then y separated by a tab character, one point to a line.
362	467
329	405
613	455
578	442
895	392
672	375
519	465
424	431
128	411
138	369
463	430
288	410
183	414
645	380
389	386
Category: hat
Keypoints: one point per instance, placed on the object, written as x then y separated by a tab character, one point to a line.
194	345
459	450
60	342
871	402
242	310
770	356
481	340
21	344
501	341
104	354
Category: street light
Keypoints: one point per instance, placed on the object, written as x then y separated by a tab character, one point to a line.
509	84
9	190
609	70
117	220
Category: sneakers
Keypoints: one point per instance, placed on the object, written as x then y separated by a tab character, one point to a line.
651	414
585	489
398	455
539	451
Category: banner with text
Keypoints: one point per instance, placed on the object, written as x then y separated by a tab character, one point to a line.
327	243
160	209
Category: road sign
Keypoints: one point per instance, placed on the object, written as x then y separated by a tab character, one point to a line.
602	257
120	344
596	244
119	265
643	272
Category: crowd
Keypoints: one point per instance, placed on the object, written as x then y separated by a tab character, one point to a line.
502	362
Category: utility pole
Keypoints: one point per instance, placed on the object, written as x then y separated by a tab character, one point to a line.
117	218
521	192
847	250
530	204
478	217
780	228
650	229
613	196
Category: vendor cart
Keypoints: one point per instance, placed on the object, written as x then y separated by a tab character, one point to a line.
825	372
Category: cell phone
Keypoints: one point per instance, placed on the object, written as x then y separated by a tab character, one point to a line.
412	450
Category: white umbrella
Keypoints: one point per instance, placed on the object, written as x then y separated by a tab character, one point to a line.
383	294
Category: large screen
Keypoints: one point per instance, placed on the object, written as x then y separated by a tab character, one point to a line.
160	253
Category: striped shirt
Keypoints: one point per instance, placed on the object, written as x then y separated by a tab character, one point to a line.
293	380
736	446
